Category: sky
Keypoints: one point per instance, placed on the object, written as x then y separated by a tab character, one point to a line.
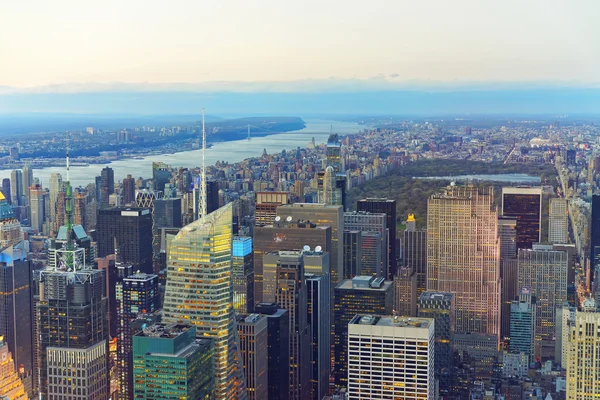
74	45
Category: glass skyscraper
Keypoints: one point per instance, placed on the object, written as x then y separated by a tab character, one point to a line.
199	291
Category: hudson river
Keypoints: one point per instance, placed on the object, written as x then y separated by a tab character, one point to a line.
232	152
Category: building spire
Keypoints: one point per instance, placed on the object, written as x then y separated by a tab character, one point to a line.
203	173
69	203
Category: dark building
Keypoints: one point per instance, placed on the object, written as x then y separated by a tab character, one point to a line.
136	295
212	196
243	274
352	254
98	181
415	256
7	194
278	348
16	311
161	175
132	227
107	185
129	190
595	235
525	205
360	295
571	157
388	207
319	320
440	307
284	235
167	213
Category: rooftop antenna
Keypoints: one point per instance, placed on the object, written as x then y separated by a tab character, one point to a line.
203	173
68	201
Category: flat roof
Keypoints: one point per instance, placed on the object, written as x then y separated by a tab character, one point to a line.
388	320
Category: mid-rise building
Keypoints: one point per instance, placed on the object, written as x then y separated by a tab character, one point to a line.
583	355
359	295
462	256
525	205
170	363
558	223
391	357
199	289
253	334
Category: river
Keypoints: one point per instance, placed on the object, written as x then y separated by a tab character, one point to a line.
234	151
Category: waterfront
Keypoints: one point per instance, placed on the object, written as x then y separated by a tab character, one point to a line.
509	178
234	151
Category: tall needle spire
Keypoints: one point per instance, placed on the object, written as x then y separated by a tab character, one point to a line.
203	173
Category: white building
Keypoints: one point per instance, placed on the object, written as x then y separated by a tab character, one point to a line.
378	344
558	224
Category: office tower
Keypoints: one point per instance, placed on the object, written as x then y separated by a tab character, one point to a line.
16	187
161	175
243	274
128	190
200	289
330	192
462	255
107	186
135	294
36	207
374	241
27	182
98	193
522	324
16	310
285	282
6	192
524	204
170	363
285	234
11	387
583	356
440	307
253	333
79	210
351	254
334	153
319	320
56	186
167	213
388	207
212	196
507	235
544	271
405	292
323	215
266	205
595	233
133	229
359	295
558	223
10	228
394	343
278	349
415	253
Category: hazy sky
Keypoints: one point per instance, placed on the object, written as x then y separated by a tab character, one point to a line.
46	42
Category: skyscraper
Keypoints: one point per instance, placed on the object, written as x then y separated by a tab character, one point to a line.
522	324
558	223
128	190
351	254
388	207
107	186
359	295
11	387
167	213
595	234
415	253
27	181
56	186
278	349
161	175
36	207
583	354
136	294
170	363
374	241
16	187
544	271
285	283
133	229
199	289
405	292
393	343
525	204
253	334
243	275
319	320
6	189
462	255
329	192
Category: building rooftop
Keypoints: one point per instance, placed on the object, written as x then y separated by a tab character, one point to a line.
365	283
436	296
165	331
403	322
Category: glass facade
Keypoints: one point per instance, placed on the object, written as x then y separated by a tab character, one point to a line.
199	291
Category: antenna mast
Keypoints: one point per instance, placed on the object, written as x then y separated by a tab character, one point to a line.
69	203
203	173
